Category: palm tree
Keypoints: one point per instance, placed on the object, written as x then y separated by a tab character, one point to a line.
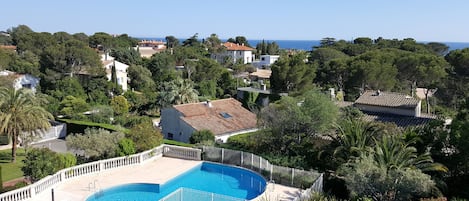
20	114
391	152
354	136
178	91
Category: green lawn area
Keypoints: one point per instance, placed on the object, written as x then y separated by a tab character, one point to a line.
11	170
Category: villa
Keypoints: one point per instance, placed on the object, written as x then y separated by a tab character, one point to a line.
121	70
265	61
148	48
21	80
225	118
235	52
390	107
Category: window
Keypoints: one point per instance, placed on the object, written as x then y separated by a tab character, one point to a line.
263	58
170	136
225	115
28	86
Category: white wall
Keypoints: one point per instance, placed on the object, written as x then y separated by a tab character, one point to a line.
26	80
121	73
171	122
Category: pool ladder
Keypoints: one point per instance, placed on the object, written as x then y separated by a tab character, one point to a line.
92	186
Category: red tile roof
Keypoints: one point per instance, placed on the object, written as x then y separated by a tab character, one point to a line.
236	47
8	47
202	116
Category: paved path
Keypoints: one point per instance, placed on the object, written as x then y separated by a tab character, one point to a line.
156	171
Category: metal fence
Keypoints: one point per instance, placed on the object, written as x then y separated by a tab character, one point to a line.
278	174
187	194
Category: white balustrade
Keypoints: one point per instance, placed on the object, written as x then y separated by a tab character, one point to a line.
17	195
182	152
98	166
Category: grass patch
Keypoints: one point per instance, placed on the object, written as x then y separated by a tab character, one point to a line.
177	143
11	170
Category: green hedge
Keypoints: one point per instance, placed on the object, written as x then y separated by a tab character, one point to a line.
4	140
76	126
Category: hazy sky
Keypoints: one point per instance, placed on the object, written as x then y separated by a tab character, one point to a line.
423	20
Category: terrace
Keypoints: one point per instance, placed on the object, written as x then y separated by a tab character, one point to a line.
158	165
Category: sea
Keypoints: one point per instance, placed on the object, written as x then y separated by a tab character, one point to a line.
310	44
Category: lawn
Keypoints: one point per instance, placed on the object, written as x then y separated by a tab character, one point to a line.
11	170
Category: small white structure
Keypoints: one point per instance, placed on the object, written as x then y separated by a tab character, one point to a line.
22	80
121	70
265	61
235	52
225	118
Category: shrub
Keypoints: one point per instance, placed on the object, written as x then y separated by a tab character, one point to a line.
202	136
145	137
40	163
126	147
120	105
101	114
96	143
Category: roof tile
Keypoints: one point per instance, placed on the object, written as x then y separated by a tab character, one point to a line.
200	116
387	99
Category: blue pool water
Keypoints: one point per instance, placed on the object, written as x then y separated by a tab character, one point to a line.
208	177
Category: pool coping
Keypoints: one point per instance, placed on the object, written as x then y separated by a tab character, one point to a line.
159	170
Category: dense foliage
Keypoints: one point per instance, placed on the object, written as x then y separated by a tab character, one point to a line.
43	162
304	129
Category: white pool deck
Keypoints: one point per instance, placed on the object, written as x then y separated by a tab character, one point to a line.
158	170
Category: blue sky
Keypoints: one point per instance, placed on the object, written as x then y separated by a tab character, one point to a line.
423	20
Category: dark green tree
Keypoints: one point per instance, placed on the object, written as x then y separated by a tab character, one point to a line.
291	74
145	137
202	136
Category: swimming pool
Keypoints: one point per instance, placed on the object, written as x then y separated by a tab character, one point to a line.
208	177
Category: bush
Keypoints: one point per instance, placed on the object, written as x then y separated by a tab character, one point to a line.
96	143
40	163
145	137
130	121
101	114
202	136
120	105
4	140
126	147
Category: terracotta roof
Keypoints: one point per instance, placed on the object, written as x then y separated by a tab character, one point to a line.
223	116
8	47
236	47
105	63
400	121
387	99
262	73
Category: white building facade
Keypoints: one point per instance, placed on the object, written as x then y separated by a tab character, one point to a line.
121	70
22	80
235	52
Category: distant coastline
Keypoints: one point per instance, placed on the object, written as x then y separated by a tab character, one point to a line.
309	44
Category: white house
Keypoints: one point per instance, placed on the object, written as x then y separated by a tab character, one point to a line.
265	61
121	70
22	80
225	118
235	52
